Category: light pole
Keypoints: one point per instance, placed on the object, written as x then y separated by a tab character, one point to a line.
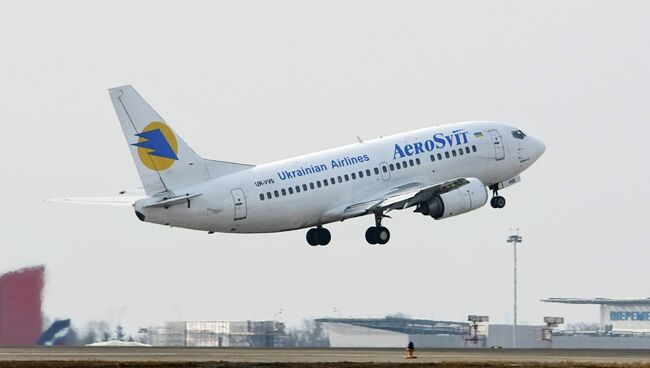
515	239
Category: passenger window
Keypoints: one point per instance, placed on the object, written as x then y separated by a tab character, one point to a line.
284	192
473	148
383	168
432	158
354	176
376	171
347	178
340	179
297	188
311	185
439	156
392	167
261	196
397	166
268	195
453	153
277	194
411	162
405	165
368	173
460	151
417	161
446	154
290	190
304	187
326	182
318	184
332	181
466	149
360	174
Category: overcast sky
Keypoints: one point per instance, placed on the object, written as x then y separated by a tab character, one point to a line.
254	82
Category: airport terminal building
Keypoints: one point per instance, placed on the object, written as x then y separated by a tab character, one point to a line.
617	315
218	334
393	332
397	332
624	324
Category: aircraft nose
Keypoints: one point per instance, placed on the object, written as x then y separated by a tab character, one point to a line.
537	147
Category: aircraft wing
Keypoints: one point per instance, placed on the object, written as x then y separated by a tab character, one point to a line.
104	201
402	197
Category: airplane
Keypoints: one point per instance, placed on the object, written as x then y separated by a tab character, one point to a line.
440	171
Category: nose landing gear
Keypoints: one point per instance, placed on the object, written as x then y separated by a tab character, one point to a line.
378	234
497	201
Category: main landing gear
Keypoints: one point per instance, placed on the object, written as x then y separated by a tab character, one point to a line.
318	236
374	235
497	201
378	234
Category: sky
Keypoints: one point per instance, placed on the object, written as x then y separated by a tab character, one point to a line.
257	81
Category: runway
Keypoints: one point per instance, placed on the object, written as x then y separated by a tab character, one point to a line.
331	355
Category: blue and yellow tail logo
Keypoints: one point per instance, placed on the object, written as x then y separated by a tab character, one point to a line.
157	146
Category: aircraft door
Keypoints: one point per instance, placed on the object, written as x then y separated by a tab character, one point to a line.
497	140
383	168
240	203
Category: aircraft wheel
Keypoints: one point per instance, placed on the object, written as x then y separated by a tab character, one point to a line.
371	235
498	202
383	235
323	236
311	237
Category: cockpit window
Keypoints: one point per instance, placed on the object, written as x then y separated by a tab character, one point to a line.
518	134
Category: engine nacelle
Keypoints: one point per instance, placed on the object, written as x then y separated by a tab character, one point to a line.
464	199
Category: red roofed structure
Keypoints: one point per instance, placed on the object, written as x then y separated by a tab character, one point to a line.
20	306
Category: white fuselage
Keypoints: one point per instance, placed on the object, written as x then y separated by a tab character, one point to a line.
272	197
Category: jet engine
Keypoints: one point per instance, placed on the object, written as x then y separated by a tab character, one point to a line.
464	199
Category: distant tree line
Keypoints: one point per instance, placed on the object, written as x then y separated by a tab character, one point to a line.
309	334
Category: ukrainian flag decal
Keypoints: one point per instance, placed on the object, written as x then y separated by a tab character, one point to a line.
157	146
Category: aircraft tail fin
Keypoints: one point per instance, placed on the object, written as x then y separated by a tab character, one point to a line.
163	160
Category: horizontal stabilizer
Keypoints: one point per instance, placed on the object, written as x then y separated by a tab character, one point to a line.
102	201
173	201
